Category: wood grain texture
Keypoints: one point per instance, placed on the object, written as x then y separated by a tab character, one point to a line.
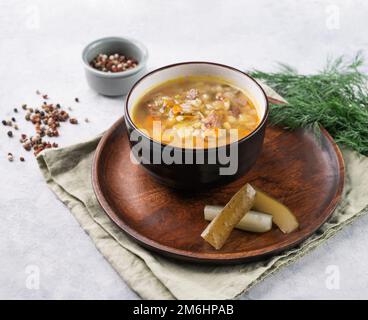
305	174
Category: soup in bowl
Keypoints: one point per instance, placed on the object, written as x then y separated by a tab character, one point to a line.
196	123
195	112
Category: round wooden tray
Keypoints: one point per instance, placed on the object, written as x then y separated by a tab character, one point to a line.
304	173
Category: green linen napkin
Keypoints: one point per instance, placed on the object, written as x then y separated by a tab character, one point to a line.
67	171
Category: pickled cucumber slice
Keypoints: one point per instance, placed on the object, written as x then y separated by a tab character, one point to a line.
218	231
282	216
253	221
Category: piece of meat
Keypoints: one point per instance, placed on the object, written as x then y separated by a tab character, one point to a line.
192	94
235	110
238	102
213	120
154	109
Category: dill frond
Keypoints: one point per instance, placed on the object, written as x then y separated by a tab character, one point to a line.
336	98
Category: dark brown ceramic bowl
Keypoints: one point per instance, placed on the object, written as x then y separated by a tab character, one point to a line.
208	166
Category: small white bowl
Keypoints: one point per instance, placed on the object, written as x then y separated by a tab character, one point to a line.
118	83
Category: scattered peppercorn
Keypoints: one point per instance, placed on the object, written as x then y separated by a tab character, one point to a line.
46	120
86	120
10	157
36	138
27	146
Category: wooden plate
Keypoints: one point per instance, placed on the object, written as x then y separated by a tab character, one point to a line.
305	174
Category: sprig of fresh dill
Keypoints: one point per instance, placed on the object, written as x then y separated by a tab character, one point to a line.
336	98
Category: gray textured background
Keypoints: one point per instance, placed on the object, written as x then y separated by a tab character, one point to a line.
40	48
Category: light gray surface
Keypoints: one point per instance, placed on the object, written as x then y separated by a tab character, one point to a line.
114	84
40	48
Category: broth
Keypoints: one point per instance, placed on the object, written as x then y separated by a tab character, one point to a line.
195	112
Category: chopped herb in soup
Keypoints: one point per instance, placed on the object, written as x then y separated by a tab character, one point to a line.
195	112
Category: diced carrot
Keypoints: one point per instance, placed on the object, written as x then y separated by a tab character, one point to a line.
176	109
168	103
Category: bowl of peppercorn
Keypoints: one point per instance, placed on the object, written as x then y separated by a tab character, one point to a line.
113	64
